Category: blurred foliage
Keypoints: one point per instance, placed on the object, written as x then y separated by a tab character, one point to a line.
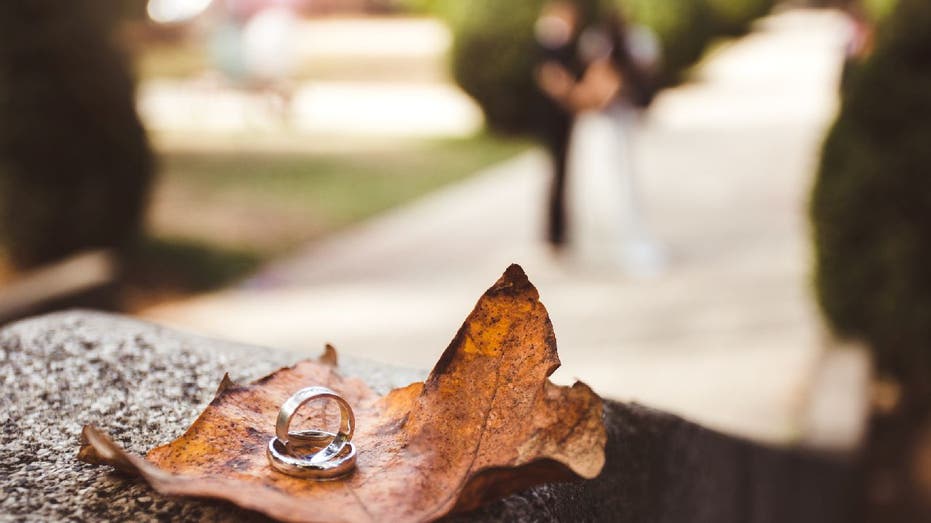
871	206
493	48
733	17
494	54
873	9
684	28
440	8
879	9
493	59
74	160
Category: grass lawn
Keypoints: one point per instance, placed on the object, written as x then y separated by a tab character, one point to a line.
216	216
188	59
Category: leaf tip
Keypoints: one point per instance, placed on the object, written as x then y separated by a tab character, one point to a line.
97	448
516	271
86	452
514	282
225	383
515	275
329	356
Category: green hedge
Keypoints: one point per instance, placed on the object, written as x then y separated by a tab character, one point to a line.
684	28
493	56
493	59
75	165
733	17
871	205
878	9
493	47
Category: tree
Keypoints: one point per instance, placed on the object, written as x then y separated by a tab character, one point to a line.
871	206
75	164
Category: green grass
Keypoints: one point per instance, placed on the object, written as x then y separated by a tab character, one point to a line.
216	216
189	59
341	187
335	188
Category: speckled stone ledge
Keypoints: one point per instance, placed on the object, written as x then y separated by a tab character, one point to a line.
145	384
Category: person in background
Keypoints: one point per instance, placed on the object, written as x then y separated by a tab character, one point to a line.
251	43
595	82
608	225
557	72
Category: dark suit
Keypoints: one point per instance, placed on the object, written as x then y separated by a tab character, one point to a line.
554	126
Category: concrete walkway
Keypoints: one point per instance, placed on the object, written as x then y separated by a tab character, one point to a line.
727	336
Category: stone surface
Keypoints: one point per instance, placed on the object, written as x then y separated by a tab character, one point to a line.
145	384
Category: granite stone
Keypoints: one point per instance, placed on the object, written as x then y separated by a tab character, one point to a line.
145	384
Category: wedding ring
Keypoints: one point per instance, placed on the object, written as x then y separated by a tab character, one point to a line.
309	438
282	460
313	453
298	439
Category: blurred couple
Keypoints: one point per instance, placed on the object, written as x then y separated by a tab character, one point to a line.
595	76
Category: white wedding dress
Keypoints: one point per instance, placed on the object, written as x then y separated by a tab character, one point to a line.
605	222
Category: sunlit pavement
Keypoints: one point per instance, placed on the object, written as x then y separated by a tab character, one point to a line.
728	335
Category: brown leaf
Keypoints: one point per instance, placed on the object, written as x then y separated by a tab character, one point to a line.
486	423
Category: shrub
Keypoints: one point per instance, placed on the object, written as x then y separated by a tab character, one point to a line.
74	161
733	17
686	27
683	28
871	205
493	59
492	56
878	9
493	48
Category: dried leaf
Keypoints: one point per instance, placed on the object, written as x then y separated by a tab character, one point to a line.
486	423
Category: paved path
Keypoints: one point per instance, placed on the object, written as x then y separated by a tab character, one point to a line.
727	336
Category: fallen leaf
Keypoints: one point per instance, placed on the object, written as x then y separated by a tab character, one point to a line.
486	423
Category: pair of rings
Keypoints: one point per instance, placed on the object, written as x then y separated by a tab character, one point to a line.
313	453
